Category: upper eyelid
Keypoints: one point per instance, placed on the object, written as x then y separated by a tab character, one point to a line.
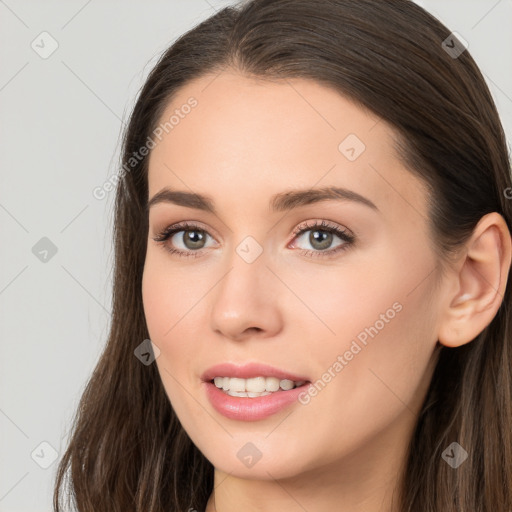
321	224
184	226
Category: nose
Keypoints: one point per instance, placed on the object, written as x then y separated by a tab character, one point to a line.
246	301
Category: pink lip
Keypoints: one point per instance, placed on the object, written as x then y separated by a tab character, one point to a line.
251	409
245	408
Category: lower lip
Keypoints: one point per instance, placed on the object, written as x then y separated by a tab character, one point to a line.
251	409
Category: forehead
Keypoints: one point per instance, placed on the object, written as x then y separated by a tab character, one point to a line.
252	137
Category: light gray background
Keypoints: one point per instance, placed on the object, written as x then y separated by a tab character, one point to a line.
61	120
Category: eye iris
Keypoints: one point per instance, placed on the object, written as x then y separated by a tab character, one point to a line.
193	239
323	237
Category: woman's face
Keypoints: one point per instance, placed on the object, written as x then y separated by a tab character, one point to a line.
339	292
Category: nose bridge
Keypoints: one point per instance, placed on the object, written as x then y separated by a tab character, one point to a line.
245	297
247	277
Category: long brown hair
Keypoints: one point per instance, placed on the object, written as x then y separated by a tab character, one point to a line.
127	449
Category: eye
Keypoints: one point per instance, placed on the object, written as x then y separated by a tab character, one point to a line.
321	237
186	239
189	240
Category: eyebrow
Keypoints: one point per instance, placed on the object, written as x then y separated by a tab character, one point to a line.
283	201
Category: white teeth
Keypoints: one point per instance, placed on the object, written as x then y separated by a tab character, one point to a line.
272	384
255	386
248	394
252	395
236	393
236	384
286	384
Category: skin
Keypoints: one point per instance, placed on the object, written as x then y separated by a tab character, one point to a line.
245	141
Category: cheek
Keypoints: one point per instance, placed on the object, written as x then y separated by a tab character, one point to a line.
168	294
171	301
375	365
158	301
164	311
377	309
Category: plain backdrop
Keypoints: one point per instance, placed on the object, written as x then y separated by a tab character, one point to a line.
61	119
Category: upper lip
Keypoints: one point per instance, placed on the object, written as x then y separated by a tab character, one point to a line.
249	370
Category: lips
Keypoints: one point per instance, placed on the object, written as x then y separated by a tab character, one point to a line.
253	407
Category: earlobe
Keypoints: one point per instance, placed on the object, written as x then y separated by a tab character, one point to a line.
481	282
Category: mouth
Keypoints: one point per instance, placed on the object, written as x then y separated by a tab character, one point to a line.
253	391
255	386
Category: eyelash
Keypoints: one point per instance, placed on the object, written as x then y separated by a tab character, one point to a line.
344	235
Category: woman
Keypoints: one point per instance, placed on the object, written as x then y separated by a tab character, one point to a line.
313	245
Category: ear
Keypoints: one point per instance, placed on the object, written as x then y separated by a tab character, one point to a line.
479	283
